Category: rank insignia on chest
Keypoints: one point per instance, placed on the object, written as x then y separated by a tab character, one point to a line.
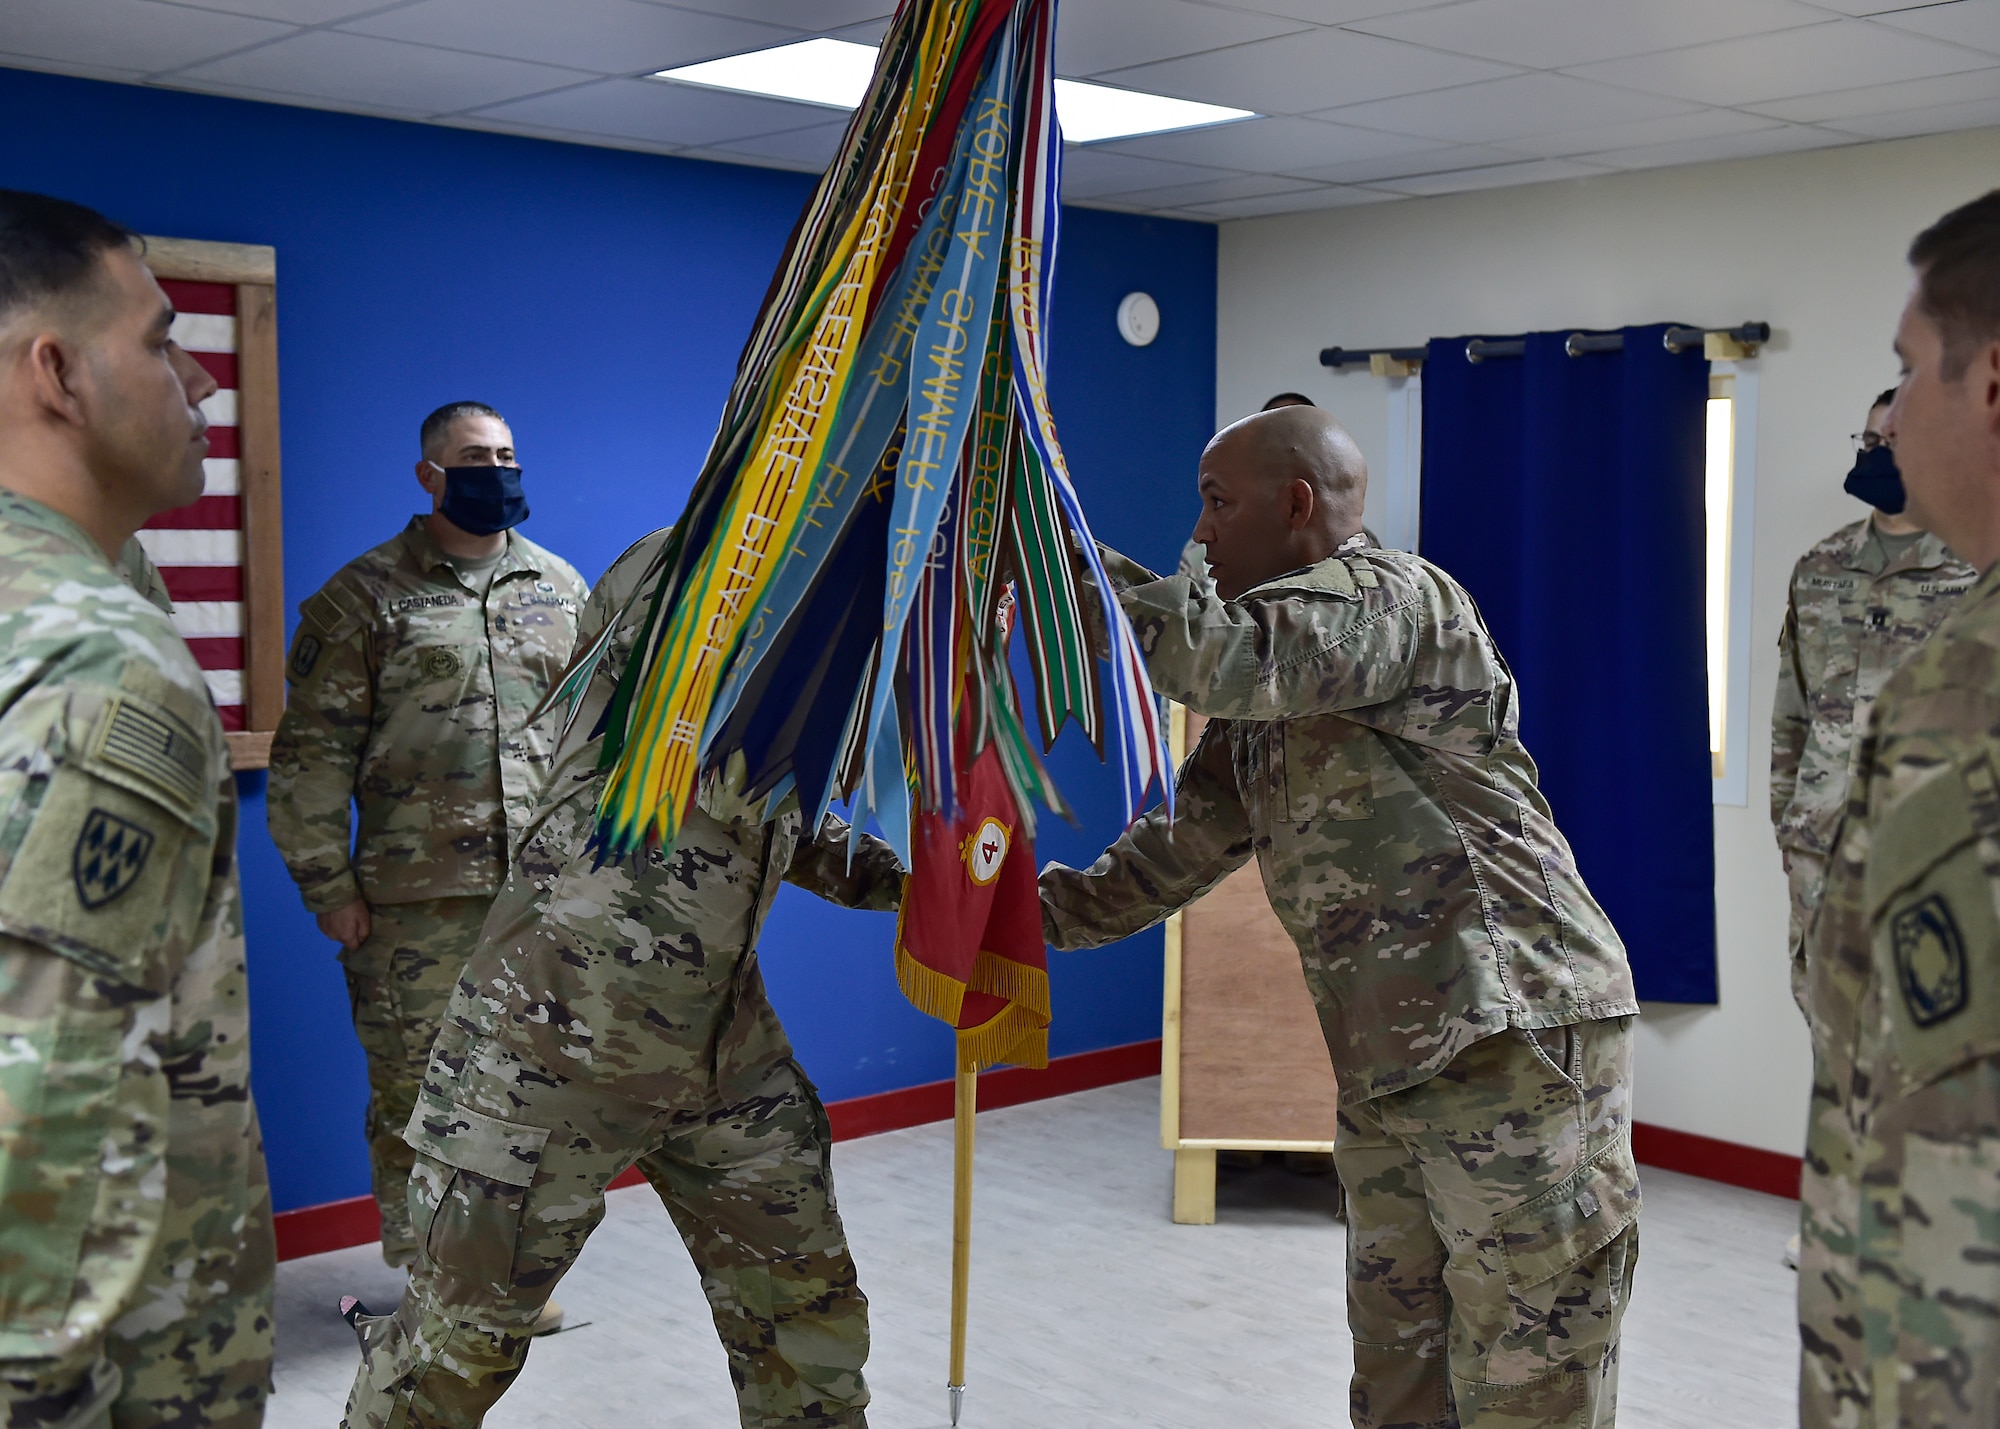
442	664
109	855
1930	961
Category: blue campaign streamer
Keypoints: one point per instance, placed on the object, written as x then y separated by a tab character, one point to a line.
946	361
863	427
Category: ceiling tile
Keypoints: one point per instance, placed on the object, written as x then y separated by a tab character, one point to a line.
1791	62
1886	98
1305	202
1232	186
1785	139
607	36
667	113
1329	12
1297	73
1963	22
1503	109
375	108
1534	171
1427	161
1701	124
814	15
488	124
1099	35
1098	173
1552	34
811	148
1271	145
125	34
1908	123
357	69
1871	7
295	12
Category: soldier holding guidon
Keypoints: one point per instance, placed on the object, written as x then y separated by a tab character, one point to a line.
413	673
136	1253
1362	746
1900	1318
615	1015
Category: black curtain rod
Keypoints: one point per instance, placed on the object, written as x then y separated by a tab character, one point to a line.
1677	339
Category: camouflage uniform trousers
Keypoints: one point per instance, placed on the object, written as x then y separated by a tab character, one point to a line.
1805	880
399	983
509	1184
1833	1364
1492	1235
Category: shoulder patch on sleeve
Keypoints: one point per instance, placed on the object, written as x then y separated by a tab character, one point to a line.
135	742
332	617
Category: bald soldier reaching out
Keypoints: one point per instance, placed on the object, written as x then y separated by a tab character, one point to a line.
1363	746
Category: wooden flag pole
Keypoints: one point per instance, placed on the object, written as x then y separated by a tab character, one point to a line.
965	1107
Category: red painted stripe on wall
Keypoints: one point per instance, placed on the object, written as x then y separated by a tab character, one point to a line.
1730	1162
339	1224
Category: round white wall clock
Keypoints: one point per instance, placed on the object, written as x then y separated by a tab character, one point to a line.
1138	319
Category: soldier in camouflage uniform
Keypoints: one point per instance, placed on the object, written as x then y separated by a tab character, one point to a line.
615	1015
1900	1318
412	675
1362	747
136	1253
1859	602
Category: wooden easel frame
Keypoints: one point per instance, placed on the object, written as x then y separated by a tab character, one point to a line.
1194	1157
253	270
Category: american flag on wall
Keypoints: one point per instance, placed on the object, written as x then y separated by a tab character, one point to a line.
199	548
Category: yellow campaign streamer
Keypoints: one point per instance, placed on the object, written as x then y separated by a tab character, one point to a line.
649	792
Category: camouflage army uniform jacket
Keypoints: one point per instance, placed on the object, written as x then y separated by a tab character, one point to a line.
1853	616
410	698
642	972
132	1188
1906	1003
1363	747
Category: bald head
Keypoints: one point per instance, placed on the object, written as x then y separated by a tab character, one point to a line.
1280	490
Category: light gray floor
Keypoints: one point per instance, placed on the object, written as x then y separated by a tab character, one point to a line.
1089	1307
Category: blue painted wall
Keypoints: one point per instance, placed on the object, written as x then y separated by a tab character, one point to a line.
599	299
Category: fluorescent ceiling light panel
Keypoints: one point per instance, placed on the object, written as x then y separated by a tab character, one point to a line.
835	73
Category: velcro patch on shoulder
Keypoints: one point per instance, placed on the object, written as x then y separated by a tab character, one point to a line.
157	749
329	615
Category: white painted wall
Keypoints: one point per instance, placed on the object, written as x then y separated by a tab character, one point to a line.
1814	244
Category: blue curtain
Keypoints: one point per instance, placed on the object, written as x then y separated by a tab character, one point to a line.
1565	493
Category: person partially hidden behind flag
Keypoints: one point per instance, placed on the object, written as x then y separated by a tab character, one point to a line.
613	1015
1363	745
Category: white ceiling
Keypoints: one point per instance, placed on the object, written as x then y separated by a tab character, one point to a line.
1366	100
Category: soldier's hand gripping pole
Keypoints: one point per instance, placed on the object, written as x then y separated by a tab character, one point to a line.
965	1106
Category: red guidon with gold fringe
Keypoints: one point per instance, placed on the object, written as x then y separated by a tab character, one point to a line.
969	947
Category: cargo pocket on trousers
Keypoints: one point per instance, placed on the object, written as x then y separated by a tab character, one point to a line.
467	1195
1568	1262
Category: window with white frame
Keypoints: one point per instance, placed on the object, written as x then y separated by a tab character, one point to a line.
1728	489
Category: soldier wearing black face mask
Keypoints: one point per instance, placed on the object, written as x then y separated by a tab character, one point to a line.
411	679
1861	601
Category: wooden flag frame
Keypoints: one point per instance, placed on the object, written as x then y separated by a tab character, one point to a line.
1243	1063
253	270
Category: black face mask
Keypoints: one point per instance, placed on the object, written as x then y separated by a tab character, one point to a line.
1876	481
483	500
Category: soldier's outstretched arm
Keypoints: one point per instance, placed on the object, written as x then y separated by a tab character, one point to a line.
1791	718
820	866
1156	866
317	751
1314	642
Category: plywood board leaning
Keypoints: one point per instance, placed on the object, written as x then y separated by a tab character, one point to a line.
1245	1064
